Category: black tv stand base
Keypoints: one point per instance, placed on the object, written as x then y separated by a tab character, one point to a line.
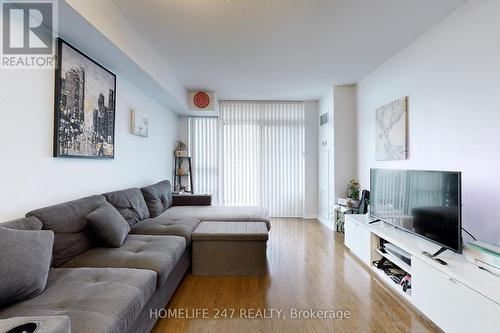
433	256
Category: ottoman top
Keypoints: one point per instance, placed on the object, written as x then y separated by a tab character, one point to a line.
256	231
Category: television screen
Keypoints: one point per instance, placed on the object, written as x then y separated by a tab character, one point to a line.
426	203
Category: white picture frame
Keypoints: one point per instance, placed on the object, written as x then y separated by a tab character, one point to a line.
139	124
391	121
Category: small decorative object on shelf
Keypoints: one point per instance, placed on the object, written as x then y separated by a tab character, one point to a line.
346	202
180	149
182	171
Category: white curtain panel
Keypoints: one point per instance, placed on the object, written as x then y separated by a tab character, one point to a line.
263	155
204	150
253	154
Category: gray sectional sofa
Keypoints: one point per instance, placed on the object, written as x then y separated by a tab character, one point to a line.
112	289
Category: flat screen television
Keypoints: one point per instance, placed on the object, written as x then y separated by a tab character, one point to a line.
425	203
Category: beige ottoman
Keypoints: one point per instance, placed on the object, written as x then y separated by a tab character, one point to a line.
230	249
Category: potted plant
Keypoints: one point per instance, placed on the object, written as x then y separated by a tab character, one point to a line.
353	193
180	149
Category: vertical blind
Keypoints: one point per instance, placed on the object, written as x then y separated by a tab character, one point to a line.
258	155
204	150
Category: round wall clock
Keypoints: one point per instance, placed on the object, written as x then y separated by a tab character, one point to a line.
201	99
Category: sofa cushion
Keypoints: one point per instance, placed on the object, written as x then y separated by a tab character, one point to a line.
158	197
104	300
108	225
162	226
24	263
130	203
218	213
156	253
68	221
25	223
231	231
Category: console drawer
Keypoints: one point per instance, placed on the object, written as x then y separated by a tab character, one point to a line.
450	304
358	240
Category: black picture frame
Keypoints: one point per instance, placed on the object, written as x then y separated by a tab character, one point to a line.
59	135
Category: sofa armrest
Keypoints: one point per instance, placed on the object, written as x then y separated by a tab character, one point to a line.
192	200
49	324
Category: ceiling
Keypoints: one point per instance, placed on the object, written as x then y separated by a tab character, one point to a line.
279	49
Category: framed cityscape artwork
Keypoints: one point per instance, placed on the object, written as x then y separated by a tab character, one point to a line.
85	96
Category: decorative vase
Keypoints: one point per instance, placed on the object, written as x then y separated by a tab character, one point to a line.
181	153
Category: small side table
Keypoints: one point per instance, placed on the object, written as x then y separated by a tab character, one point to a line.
339	213
187	199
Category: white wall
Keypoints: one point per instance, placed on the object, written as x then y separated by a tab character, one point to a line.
452	77
345	138
107	18
337	147
183	129
325	150
31	178
311	137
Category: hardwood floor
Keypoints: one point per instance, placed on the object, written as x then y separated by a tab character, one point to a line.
308	268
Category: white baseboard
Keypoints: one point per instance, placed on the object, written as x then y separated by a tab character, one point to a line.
325	222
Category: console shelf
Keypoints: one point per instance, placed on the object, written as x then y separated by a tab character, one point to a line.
404	266
472	295
396	287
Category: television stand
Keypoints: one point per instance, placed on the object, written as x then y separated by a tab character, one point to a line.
456	297
433	256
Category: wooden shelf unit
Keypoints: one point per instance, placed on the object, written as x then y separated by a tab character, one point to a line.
178	177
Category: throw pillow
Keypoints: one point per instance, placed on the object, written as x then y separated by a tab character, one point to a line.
158	197
108	225
25	261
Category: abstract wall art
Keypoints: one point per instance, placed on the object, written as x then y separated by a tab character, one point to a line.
139	123
391	131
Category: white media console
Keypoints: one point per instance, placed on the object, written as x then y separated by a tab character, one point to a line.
457	297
